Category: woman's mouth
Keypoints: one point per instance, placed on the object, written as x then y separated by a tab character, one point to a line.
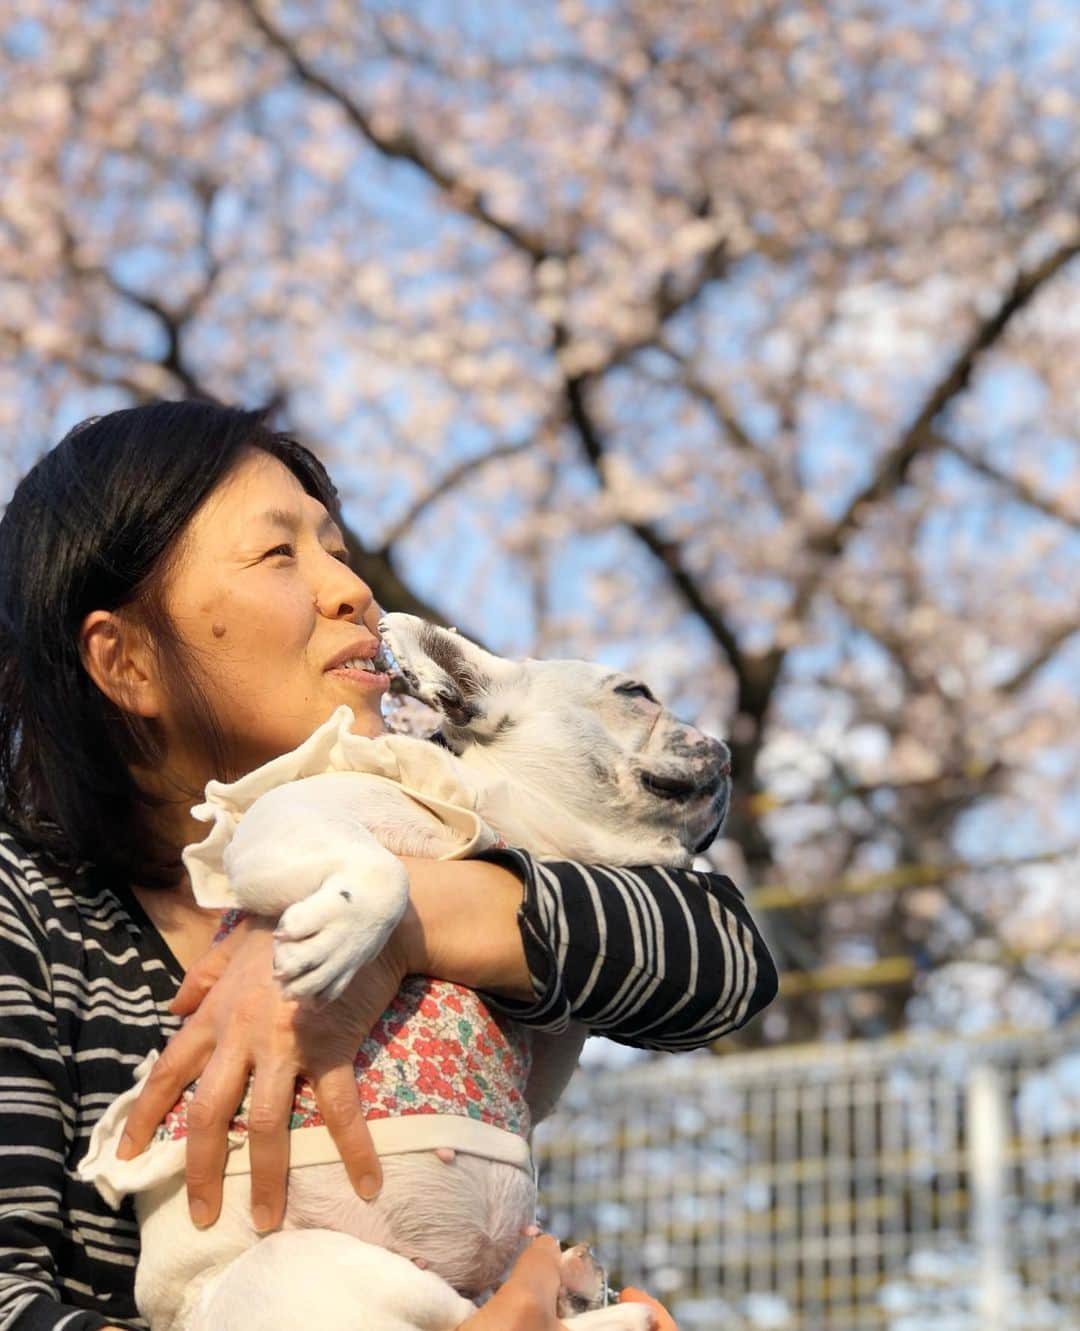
368	672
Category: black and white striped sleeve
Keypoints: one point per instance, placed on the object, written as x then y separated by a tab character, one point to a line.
656	958
36	1117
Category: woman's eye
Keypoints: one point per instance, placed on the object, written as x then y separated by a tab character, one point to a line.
341	555
286	550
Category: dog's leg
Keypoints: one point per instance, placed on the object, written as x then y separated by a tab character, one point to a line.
554	1060
304	849
176	1259
322	1279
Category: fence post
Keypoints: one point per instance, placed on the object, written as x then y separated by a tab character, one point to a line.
987	1143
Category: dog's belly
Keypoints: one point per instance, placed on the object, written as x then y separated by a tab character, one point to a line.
462	1220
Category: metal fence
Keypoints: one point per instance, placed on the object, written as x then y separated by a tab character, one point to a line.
930	1186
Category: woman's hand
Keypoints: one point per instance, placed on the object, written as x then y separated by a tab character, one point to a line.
526	1299
240	1024
664	1320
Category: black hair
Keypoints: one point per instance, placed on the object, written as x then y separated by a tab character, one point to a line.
96	525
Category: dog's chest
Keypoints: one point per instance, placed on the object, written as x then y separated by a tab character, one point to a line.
437	1049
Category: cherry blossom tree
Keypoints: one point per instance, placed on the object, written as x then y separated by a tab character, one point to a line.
735	344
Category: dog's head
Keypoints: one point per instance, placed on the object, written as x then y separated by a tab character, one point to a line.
591	740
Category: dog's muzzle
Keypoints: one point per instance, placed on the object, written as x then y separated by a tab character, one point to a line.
694	782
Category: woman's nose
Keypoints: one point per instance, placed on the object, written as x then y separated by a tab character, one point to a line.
344	595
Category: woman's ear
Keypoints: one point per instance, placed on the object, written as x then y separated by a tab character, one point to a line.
121	662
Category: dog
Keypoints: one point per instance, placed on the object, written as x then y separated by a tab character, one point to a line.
565	758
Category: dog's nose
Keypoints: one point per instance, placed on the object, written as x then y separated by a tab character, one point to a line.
715	759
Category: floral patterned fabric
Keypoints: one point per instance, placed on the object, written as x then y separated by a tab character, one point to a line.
437	1049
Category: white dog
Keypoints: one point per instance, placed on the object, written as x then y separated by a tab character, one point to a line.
563	758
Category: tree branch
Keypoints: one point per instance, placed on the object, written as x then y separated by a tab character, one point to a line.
172	323
1021	489
669	298
403	145
723	412
450	481
1040	657
920	438
666	553
379	571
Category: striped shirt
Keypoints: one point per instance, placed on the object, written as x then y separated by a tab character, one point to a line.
660	959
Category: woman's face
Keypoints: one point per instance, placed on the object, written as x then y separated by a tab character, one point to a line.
269	610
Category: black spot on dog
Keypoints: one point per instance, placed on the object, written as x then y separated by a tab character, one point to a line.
503	727
446	654
457	710
573	1304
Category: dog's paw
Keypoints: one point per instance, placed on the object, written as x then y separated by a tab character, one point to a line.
584	1281
401	634
435	665
322	941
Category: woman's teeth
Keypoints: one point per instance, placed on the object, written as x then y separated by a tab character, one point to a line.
377	664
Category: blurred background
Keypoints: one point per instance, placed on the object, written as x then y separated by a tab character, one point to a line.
736	344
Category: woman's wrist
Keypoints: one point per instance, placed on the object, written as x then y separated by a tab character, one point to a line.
461	925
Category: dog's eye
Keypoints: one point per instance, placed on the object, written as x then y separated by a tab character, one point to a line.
634	691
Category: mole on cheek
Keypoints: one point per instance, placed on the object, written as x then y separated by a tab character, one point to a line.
218	630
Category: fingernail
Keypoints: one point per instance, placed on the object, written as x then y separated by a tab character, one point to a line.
200	1214
369	1187
260	1218
126	1149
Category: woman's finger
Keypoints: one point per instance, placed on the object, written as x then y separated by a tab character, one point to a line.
539	1270
209	1112
197	983
273	1090
328	1038
526	1299
338	1098
179	1063
665	1321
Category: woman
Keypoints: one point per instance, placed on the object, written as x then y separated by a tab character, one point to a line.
174	597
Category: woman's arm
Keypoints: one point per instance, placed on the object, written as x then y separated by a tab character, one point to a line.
662	959
526	1301
36	1103
239	1024
463	924
656	958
